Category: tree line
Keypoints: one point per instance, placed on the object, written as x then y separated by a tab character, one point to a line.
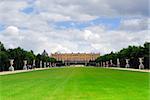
131	52
19	55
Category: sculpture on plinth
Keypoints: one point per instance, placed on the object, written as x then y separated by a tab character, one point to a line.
40	64
104	64
111	63
33	64
11	68
127	63
141	66
48	64
118	62
44	64
107	63
25	65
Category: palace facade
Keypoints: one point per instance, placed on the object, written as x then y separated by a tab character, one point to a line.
73	58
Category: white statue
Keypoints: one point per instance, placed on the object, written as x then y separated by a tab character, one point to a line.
141	66
111	63
40	64
25	65
118	62
127	63
33	63
44	64
104	64
11	68
107	63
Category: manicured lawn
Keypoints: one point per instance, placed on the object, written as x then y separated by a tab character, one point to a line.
75	84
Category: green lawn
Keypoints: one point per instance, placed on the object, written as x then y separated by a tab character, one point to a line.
80	83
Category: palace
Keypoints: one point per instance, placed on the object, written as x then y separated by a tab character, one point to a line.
75	58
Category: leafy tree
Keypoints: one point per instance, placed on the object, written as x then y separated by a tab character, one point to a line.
132	52
4	61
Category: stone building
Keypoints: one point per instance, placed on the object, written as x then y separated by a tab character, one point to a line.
75	58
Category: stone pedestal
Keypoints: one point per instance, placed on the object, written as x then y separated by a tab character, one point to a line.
25	65
33	64
44	64
141	66
85	63
65	64
50	64
104	64
118	62
40	64
107	64
11	68
127	63
111	63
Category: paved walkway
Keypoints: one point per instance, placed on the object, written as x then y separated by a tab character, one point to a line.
19	71
130	69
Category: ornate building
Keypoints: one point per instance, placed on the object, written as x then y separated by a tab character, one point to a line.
75	58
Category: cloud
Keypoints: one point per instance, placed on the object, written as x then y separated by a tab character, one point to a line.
134	24
36	28
12	30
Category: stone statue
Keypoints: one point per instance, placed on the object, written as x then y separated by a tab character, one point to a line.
47	64
50	64
25	65
118	62
33	63
44	64
11	68
40	64
141	66
107	63
103	64
127	63
111	63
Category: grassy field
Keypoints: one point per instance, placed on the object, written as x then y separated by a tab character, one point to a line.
75	84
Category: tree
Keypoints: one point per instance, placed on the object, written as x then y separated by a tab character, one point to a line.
4	61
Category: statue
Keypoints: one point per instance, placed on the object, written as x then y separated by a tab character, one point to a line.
118	62
11	68
44	64
40	64
111	63
127	63
141	66
25	65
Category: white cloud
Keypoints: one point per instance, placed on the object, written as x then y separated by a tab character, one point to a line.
134	24
36	31
12	30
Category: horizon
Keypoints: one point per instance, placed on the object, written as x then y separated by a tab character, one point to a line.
49	53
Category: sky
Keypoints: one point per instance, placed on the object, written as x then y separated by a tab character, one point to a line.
66	26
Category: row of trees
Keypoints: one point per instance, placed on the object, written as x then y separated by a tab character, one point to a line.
132	53
19	54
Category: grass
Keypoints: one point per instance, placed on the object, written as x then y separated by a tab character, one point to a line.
75	84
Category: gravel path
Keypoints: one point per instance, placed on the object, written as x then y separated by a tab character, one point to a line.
130	69
20	71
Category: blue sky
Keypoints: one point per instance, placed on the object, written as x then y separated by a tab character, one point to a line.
73	26
110	23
